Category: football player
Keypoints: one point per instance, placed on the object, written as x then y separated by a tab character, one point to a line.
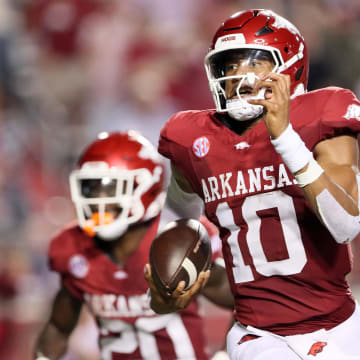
118	193
276	168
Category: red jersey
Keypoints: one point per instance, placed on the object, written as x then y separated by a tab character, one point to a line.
116	296
287	273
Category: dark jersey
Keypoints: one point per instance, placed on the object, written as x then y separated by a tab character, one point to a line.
286	271
116	296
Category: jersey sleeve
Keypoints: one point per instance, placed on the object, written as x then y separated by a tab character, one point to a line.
61	249
165	144
170	142
174	144
327	113
341	115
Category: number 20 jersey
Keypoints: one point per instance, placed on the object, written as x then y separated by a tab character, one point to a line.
287	273
117	297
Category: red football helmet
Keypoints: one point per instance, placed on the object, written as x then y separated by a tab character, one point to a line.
267	33
119	182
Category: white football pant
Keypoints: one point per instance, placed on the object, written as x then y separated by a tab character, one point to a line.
340	343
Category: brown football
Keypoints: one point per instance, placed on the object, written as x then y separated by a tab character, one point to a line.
179	252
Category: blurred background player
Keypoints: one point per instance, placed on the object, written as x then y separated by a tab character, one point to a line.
118	192
277	169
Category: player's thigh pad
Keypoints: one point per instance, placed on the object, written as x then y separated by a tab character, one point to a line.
262	348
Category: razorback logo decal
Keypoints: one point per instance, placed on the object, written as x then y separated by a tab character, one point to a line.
247	338
317	348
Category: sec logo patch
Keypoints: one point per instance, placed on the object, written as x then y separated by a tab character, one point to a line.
201	146
78	266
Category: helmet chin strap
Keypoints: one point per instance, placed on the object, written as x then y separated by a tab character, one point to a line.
239	109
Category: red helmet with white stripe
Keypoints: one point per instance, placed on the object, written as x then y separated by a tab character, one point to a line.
119	182
268	34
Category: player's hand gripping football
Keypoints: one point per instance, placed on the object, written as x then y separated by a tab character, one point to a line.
179	298
276	103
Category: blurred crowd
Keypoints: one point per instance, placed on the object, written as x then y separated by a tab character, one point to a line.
72	68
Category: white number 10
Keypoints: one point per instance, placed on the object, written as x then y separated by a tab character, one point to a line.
291	232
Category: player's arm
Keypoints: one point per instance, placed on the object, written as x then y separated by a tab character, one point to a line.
181	198
179	299
184	203
336	190
217	288
329	175
52	342
213	285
